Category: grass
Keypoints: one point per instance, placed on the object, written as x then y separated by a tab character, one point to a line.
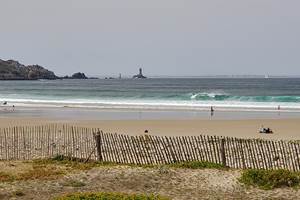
71	163
269	179
74	183
110	196
197	165
48	169
41	172
75	163
6	177
37	172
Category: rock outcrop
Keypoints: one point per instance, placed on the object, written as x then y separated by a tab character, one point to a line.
13	70
77	75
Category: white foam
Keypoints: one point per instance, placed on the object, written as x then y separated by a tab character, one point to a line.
154	104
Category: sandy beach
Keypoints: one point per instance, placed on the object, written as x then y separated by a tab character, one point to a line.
285	126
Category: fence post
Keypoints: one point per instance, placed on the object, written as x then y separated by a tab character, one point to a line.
98	146
222	149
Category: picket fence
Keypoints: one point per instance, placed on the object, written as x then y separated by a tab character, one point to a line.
27	143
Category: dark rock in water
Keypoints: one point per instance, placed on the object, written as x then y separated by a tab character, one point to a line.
79	75
13	70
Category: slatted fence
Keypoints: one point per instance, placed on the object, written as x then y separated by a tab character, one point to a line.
26	143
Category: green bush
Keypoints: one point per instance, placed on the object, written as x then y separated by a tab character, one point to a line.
269	179
110	196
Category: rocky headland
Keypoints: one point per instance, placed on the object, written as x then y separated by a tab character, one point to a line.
13	70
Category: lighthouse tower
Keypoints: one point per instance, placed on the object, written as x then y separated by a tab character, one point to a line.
140	75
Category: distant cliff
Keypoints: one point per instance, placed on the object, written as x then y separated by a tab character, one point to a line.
13	70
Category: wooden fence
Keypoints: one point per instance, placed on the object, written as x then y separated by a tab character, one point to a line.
26	143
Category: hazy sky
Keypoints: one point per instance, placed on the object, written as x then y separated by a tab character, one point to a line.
166	37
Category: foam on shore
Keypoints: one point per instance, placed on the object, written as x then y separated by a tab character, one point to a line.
157	105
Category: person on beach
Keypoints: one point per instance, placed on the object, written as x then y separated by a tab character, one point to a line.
265	130
211	111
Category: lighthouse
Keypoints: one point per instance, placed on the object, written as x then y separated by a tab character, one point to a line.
140	75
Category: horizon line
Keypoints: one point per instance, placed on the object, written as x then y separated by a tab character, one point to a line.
200	76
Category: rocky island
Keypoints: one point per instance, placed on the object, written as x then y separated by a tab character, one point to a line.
77	75
13	70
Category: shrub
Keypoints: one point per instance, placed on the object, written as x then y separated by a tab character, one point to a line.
110	196
269	179
5	177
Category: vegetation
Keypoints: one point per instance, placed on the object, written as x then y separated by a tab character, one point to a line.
110	196
71	163
41	172
197	165
18	193
75	163
6	177
269	179
37	172
74	183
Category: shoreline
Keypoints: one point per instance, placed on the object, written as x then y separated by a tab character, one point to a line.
286	126
90	113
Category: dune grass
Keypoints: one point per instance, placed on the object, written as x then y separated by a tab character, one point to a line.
110	196
197	165
270	179
41	172
75	163
6	177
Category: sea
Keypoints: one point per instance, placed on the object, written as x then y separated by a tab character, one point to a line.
157	93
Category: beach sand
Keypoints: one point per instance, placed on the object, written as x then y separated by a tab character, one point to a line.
287	129
167	123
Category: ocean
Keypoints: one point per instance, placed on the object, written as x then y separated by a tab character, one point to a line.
157	93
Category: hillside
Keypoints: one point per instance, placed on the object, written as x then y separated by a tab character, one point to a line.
13	70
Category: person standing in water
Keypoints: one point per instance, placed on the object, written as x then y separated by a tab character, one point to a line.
211	111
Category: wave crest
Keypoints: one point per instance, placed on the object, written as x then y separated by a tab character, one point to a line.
225	97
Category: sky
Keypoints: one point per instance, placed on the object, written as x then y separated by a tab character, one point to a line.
164	37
